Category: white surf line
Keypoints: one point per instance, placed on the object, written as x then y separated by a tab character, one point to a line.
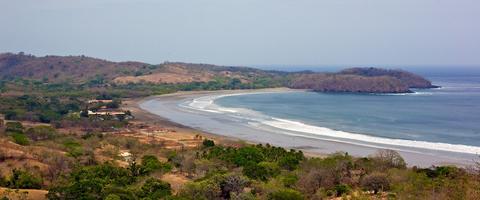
347	142
205	103
322	131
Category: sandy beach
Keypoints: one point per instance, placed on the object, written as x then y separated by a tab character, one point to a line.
166	111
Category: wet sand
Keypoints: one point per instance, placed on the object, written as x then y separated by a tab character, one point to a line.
166	109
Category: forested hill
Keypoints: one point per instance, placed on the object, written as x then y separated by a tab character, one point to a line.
362	80
85	70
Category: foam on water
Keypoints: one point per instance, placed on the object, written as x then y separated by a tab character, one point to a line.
404	94
207	104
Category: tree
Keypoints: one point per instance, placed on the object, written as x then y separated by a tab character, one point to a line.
133	168
256	171
376	182
92	182
289	162
247	155
232	184
386	158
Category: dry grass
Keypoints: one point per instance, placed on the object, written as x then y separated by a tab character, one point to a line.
176	181
21	194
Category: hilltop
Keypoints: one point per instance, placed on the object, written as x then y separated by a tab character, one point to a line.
81	69
85	70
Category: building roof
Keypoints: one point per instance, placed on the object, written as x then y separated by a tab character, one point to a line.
99	101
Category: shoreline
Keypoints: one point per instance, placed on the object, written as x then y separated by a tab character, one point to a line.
227	131
147	117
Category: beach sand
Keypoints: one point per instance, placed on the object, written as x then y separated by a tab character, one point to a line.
164	111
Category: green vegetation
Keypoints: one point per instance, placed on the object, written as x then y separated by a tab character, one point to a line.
73	148
208	143
94	182
20	139
254	154
286	194
155	189
224	172
151	164
76	156
14	127
23	180
38	133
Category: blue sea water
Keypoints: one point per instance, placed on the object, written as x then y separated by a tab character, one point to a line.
450	114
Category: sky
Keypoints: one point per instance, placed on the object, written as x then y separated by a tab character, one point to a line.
248	32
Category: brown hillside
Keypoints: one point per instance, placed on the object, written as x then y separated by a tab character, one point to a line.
62	68
80	69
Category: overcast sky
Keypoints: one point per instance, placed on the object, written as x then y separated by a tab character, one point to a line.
248	32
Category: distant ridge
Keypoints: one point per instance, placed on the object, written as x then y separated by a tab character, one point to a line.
81	69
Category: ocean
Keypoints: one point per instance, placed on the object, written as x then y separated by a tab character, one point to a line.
429	126
450	114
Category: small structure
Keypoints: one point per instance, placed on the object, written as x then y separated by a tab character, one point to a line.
127	156
106	113
99	101
109	114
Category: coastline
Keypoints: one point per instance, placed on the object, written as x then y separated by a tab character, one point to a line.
147	117
310	146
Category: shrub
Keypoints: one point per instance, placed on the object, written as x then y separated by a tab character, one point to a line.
206	189
112	197
155	189
113	104
41	133
20	139
208	143
10	115
174	158
341	189
15	127
24	180
150	164
74	148
271	167
3	181
286	194
442	171
289	180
